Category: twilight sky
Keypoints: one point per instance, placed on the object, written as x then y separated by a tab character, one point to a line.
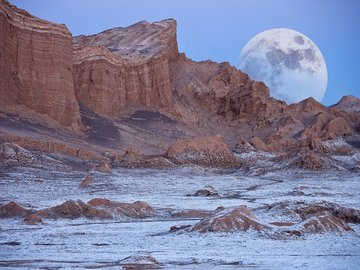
218	30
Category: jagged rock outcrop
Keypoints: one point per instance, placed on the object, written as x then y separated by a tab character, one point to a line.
327	127
308	160
219	89
348	104
124	67
13	154
111	75
36	66
204	151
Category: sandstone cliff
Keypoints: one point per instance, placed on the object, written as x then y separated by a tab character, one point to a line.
124	67
36	66
131	87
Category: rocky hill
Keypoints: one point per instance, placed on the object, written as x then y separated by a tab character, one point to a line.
126	95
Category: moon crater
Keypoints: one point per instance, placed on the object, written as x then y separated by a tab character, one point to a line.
289	63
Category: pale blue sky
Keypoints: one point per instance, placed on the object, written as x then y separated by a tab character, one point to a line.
217	30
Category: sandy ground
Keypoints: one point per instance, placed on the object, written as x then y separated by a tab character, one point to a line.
81	243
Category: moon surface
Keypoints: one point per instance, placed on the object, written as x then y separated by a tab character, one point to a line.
288	62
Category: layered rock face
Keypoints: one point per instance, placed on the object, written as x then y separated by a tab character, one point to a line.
124	67
122	71
36	66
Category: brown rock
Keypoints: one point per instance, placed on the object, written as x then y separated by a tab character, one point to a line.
243	145
51	146
282	224
140	262
87	182
348	104
327	127
335	128
14	154
124	67
132	158
325	223
346	214
158	163
204	151
189	214
13	209
258	144
309	161
105	167
113	73
230	219
207	192
307	105
137	209
208	89
75	209
36	66
179	228
32	219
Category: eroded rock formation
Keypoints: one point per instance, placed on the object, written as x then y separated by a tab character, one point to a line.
206	151
137	209
96	85
36	66
75	209
230	219
13	209
124	67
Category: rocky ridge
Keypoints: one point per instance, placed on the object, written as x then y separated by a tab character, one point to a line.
93	97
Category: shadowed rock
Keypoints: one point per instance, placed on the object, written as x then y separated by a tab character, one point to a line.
204	151
158	163
308	160
104	167
32	219
231	219
179	228
137	209
346	214
13	154
207	191
13	209
318	217
140	262
48	75
75	209
87	182
189	214
325	223
349	104
36	67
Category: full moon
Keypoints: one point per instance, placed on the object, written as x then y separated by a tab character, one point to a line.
288	62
